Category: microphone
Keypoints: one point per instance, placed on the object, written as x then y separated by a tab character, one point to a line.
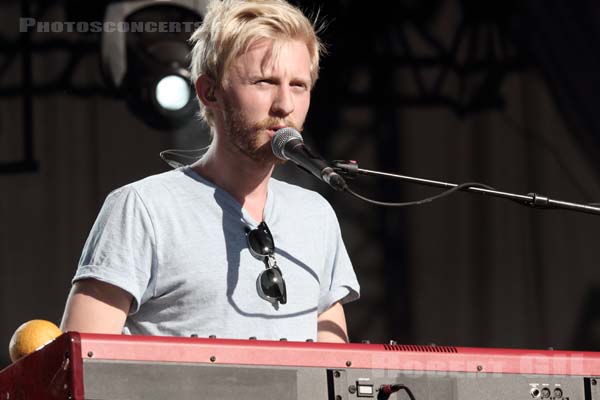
287	144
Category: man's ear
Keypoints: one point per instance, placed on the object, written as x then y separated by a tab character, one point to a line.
205	89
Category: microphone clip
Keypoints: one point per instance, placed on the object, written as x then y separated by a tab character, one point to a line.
347	168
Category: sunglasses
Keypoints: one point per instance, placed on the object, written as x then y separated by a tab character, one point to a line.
270	283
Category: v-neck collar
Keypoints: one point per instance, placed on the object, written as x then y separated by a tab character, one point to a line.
229	199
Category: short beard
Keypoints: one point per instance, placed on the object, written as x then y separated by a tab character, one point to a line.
252	140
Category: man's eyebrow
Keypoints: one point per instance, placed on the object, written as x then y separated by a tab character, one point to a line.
266	76
306	80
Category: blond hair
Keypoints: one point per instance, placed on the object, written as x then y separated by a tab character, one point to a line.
230	27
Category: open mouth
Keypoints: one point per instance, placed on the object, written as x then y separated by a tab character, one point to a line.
273	129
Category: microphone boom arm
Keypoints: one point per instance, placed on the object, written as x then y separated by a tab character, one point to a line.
350	170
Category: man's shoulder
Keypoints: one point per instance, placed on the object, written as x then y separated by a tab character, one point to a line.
167	183
162	178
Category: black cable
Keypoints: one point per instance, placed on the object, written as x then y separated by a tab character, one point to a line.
423	201
386	390
176	164
524	132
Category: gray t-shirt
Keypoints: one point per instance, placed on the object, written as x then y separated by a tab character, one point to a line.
177	243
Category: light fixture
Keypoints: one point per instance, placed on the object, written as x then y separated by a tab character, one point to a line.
172	92
145	57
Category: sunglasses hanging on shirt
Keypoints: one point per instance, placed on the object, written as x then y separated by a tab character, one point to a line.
270	283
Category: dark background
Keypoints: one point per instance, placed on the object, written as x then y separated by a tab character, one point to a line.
499	92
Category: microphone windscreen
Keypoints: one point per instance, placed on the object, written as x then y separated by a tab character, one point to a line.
281	138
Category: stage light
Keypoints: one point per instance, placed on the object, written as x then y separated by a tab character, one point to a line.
145	58
173	92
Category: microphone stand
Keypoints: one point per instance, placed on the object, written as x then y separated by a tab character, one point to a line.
350	170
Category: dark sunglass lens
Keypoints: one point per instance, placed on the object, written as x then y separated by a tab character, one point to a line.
261	242
273	285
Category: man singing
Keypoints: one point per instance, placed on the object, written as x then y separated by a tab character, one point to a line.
220	247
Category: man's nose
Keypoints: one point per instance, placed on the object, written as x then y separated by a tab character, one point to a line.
283	102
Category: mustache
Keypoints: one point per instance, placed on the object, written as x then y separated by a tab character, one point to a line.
269	122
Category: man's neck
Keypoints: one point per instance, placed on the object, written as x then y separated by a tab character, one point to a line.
240	176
